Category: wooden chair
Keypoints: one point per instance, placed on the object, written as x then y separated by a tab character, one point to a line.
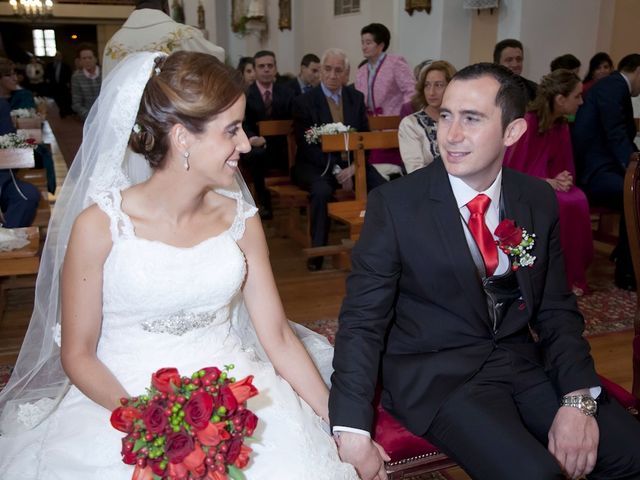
632	217
38	177
391	122
604	224
352	212
275	128
14	263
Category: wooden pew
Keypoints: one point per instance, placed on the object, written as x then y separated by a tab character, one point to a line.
38	177
14	263
390	122
274	128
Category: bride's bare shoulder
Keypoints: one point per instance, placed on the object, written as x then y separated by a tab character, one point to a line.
91	230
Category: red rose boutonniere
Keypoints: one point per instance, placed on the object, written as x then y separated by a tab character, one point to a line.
515	242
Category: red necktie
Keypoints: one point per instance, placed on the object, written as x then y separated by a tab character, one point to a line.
487	245
267	102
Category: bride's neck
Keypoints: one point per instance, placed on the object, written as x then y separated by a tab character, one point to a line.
173	196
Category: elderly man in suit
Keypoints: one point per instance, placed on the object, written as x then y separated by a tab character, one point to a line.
266	100
603	143
445	316
315	171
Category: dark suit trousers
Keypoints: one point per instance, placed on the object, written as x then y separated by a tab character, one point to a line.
257	162
321	190
19	207
495	426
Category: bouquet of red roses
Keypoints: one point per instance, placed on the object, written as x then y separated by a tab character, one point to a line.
188	427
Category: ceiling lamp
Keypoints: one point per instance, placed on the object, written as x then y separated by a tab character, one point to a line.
32	8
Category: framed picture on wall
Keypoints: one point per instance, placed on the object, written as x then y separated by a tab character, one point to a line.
284	19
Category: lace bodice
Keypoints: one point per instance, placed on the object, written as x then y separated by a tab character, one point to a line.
150	284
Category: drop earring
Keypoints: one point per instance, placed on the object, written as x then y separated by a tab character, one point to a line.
186	160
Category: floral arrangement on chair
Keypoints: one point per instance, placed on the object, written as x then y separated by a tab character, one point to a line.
24	113
312	135
188	427
15	140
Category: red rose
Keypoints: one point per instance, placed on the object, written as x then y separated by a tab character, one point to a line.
142	473
216	475
154	418
129	458
163	379
212	373
178	445
213	434
198	410
122	418
243	457
195	462
226	399
248	421
243	389
234	450
509	235
177	470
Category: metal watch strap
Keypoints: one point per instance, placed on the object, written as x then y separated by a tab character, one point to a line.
585	403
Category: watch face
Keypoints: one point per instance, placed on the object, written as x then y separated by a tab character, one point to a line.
589	405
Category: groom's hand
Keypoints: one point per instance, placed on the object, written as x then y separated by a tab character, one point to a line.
364	454
573	441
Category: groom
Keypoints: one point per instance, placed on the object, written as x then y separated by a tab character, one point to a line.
435	314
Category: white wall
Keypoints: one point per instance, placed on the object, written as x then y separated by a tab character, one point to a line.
549	28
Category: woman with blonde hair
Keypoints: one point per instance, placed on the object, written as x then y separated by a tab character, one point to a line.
417	132
545	151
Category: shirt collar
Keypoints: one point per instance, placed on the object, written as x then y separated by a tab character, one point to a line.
626	80
464	193
328	93
374	67
264	89
93	75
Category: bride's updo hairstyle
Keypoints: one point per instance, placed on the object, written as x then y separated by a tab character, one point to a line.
188	88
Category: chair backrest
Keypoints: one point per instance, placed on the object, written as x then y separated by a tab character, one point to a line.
272	128
632	218
359	143
391	122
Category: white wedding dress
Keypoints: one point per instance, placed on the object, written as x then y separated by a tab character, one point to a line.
165	306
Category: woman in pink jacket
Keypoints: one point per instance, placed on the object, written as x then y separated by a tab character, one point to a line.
387	82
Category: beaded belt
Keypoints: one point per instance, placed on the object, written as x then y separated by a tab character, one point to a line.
182	322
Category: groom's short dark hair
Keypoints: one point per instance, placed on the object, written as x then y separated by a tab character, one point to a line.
510	98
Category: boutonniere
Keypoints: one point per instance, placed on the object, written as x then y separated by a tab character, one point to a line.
515	242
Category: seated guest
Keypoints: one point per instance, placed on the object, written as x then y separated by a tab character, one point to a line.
545	151
603	144
600	66
309	75
266	100
85	83
18	199
417	132
387	82
23	98
566	61
247	67
510	53
321	174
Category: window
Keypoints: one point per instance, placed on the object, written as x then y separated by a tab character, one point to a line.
44	43
342	7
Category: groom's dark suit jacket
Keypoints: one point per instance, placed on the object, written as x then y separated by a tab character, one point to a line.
415	308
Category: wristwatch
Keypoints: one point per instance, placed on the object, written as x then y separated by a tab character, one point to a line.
585	403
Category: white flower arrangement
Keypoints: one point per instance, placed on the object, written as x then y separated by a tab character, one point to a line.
23	113
313	134
15	140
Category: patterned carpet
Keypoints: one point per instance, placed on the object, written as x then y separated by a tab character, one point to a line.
606	309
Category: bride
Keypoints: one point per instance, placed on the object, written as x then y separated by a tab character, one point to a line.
159	265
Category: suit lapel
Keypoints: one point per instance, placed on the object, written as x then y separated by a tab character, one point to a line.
520	211
450	228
